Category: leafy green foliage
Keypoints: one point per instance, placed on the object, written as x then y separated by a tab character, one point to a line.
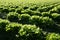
25	32
43	9
11	9
24	18
27	17
36	13
46	21
34	19
45	14
33	7
13	27
5	10
53	36
58	7
13	16
56	16
54	10
18	10
3	24
28	11
30	32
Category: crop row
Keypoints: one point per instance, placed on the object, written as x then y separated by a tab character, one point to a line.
20	31
34	19
30	7
25	32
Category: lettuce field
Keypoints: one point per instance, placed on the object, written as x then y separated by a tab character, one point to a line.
29	19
